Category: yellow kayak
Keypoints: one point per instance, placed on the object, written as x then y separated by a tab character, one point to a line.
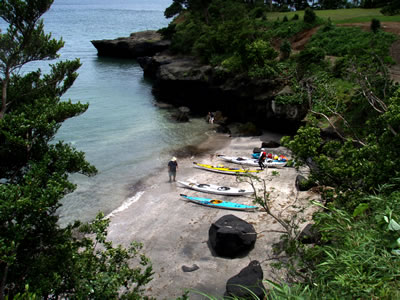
225	170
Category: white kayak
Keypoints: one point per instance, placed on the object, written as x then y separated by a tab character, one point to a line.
216	189
270	163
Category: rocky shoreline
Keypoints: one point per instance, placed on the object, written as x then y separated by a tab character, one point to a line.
185	81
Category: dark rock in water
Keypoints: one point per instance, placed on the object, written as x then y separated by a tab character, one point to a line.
247	129
232	237
310	235
270	144
182	115
247	283
190	269
184	109
144	43
223	129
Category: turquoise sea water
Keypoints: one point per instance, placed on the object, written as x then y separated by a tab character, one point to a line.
123	133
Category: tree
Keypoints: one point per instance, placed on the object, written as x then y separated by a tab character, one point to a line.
375	25
174	9
309	16
34	250
286	49
192	5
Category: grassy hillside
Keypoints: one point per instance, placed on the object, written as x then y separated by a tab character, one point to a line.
339	16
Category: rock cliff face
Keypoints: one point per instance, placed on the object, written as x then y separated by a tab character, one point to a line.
144	43
184	81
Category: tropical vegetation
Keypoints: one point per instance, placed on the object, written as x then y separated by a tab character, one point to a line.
38	258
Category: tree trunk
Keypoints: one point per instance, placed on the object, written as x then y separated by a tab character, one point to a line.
3	282
4	95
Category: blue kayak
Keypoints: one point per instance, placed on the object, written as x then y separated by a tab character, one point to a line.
219	203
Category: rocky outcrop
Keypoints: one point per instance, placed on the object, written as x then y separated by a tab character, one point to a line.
144	43
232	237
186	81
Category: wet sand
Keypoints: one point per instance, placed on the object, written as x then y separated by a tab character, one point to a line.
175	232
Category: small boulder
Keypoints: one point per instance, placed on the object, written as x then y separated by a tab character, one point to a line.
182	115
310	235
222	129
232	237
247	283
270	144
190	269
302	183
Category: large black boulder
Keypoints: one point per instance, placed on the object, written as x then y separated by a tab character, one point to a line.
247	283
232	237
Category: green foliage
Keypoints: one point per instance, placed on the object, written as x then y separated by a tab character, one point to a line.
341	16
375	25
341	41
306	142
261	56
233	63
174	9
234	35
168	32
392	8
34	170
286	49
309	16
354	258
310	60
100	270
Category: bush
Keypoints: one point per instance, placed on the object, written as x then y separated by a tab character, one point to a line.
168	32
257	12
285	19
295	17
392	9
311	56
232	63
309	16
375	25
286	49
341	41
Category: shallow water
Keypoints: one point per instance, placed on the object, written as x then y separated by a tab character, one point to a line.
122	133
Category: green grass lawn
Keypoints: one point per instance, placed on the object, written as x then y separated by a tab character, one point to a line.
338	16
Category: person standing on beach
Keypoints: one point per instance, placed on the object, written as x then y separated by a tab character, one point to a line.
261	159
172	166
211	118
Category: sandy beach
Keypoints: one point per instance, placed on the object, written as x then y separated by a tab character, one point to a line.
174	232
